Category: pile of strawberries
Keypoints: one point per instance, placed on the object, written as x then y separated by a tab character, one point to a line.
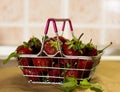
54	69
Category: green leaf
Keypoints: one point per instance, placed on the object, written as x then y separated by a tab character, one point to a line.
69	79
85	84
96	88
69	84
14	54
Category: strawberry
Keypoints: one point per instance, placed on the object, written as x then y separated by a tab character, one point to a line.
90	49
61	38
22	49
32	72
54	73
35	44
84	64
50	46
69	51
73	47
67	62
25	62
71	73
42	62
31	47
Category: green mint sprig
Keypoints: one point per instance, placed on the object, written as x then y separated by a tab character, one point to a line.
70	84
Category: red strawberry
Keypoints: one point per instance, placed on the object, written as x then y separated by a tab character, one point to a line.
54	73
51	46
73	47
84	64
61	38
67	62
42	62
24	49
90	49
71	73
32	72
35	44
25	62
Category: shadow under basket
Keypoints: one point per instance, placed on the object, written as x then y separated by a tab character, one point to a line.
52	70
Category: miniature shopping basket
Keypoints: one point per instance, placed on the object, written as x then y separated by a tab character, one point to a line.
55	68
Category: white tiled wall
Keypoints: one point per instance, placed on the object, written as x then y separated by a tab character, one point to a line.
21	19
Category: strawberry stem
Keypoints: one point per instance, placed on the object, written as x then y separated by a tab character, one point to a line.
90	40
80	36
100	51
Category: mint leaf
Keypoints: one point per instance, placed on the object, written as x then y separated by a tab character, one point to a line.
69	84
69	79
96	88
85	84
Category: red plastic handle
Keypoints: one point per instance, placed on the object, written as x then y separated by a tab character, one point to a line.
54	20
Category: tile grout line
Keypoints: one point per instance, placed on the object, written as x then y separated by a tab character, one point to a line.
26	20
65	14
103	28
65	8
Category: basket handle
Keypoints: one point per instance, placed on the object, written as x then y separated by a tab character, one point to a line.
54	20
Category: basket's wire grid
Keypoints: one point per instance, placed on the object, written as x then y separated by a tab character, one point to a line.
39	74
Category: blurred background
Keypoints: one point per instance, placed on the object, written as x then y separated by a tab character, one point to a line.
22	19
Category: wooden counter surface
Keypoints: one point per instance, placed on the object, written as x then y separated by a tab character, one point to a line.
107	75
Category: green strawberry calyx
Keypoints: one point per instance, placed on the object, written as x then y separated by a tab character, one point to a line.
90	45
76	44
34	42
54	44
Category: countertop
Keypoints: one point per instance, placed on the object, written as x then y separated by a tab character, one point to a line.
107	75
